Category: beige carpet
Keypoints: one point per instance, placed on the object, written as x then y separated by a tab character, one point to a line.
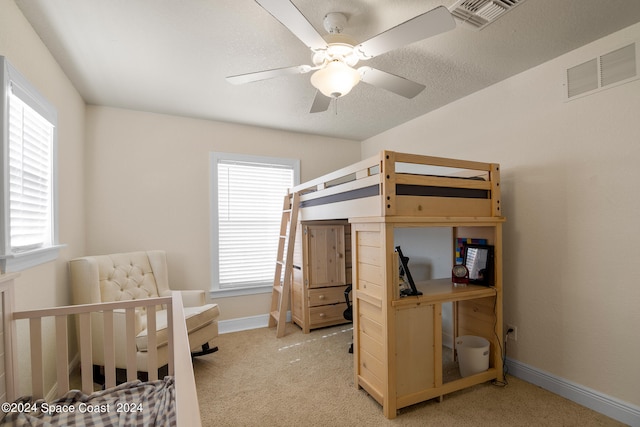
256	379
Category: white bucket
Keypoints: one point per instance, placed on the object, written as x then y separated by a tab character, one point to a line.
473	354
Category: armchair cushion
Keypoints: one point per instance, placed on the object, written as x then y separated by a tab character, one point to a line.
196	317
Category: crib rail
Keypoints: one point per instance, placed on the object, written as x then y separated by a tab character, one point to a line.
61	316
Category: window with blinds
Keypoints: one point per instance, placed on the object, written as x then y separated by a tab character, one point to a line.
30	176
248	194
28	216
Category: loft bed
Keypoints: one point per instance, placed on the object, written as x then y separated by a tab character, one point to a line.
400	184
168	401
398	338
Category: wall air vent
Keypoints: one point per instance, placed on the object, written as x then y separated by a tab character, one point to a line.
582	78
618	65
477	14
608	70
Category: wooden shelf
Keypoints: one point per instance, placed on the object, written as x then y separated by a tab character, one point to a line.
442	290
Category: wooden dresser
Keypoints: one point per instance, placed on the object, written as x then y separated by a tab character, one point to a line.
321	273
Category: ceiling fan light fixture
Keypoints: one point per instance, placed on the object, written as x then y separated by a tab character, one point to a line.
336	79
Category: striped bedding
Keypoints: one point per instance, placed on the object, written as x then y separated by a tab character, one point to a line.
134	403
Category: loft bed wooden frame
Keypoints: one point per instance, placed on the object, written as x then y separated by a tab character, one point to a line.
398	356
376	187
179	367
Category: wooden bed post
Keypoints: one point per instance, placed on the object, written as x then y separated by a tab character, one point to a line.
494	175
390	292
388	182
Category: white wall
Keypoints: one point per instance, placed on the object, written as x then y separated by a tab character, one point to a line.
569	191
147	181
46	285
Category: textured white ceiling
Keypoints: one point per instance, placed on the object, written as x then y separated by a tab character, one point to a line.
172	56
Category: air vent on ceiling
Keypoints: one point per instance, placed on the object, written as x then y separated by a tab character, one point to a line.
616	67
477	14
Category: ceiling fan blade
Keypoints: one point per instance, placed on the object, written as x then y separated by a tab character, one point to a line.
423	26
267	74
390	82
289	16
320	103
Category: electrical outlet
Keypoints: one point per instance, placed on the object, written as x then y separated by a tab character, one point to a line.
513	335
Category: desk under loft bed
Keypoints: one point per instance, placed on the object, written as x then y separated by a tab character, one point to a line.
398	355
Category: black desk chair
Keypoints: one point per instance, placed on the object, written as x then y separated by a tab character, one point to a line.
348	313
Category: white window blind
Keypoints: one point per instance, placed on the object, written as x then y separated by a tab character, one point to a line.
249	196
28	218
30	176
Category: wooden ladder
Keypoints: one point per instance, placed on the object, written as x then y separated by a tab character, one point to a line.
282	284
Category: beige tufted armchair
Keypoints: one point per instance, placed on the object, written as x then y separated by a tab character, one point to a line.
136	275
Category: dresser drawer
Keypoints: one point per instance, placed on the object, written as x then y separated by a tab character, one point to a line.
327	314
324	296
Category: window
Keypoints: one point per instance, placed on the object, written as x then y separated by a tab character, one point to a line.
246	209
28	231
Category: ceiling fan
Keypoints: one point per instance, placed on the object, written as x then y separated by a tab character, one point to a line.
335	56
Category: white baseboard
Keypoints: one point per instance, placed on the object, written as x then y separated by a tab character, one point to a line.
246	323
599	402
75	362
53	392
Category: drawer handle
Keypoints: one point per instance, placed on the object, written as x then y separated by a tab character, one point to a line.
322	315
321	297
